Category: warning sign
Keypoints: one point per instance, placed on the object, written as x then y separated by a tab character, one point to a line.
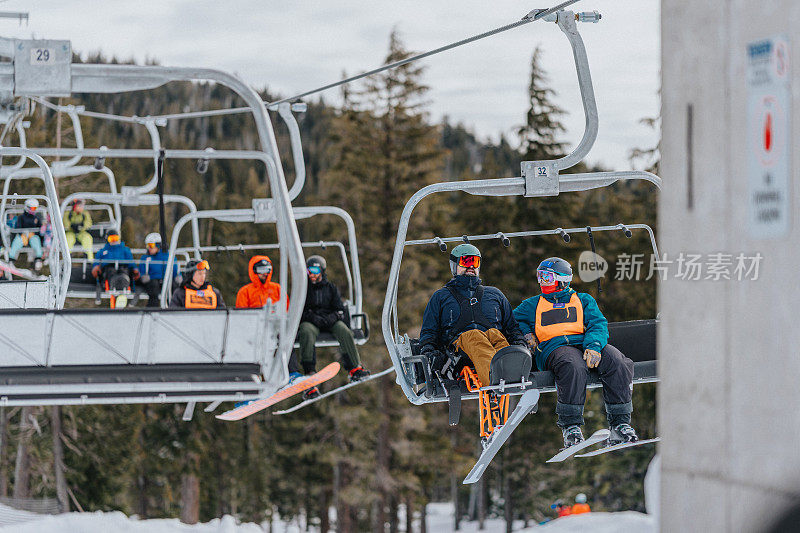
768	155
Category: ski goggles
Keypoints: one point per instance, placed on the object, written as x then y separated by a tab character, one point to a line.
548	277
203	265
467	261
315	270
262	267
113	239
151	246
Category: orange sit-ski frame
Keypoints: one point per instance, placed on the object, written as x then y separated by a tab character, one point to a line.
492	416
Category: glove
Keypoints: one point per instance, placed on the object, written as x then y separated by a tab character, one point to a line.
96	271
76	228
327	320
592	358
136	275
436	357
144	279
530	339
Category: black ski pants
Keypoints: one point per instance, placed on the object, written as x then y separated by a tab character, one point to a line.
572	374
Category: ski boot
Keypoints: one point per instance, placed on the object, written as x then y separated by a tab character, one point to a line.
358	374
572	435
294	376
310	394
621	433
37	265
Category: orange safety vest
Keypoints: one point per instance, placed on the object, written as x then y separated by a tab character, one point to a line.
580	508
204	299
557	319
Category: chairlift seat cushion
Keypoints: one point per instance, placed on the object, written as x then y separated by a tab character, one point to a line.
510	364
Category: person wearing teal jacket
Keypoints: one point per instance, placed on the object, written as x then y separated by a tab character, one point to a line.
568	336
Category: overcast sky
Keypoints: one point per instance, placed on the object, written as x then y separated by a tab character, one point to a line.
291	46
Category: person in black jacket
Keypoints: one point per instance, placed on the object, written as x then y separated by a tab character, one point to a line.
325	311
195	292
464	316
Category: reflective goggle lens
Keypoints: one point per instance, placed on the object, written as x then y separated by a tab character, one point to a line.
263	268
314	270
113	238
467	261
203	265
545	277
151	245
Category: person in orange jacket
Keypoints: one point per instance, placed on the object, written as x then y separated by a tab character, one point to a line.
261	288
581	506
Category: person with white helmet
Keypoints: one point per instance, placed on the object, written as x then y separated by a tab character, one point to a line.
581	506
29	219
77	222
569	336
467	317
152	267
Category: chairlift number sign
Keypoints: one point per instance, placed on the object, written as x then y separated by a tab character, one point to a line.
43	56
768	133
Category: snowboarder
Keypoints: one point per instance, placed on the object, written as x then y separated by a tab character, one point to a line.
561	509
324	311
28	219
152	267
114	264
261	287
195	292
77	222
569	335
465	316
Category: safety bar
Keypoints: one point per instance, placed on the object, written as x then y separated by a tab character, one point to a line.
138	200
63	266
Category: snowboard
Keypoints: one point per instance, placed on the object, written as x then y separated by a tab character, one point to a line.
288	391
620	446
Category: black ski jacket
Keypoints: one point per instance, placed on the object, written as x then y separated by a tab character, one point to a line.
324	305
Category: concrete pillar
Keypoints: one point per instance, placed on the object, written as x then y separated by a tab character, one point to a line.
729	351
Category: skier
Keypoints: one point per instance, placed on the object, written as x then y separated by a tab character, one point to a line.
28	219
114	264
581	506
152	267
464	316
569	336
77	222
324	311
261	288
195	292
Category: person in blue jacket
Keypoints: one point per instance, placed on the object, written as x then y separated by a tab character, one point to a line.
152	267
569	335
464	316
114	263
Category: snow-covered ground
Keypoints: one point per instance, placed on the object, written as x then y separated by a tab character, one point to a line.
440	520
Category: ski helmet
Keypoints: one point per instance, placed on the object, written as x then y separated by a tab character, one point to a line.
580	498
554	269
152	238
464	250
193	266
264	266
112	237
31	205
316	264
78	202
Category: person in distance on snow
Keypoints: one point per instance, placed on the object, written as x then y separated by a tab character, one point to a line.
569	335
324	311
465	316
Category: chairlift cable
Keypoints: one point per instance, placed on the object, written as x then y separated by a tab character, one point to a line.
530	17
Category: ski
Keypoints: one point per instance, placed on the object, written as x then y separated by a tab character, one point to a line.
619	446
501	434
21	272
598	436
287	391
332	392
